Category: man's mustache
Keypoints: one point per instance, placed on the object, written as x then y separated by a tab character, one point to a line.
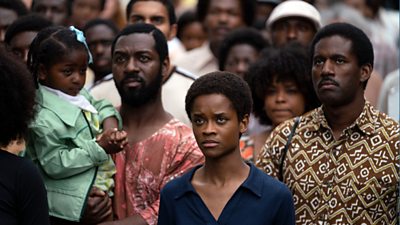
327	80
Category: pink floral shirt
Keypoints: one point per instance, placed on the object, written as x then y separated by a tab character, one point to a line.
145	167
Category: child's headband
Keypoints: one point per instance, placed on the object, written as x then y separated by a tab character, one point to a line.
81	38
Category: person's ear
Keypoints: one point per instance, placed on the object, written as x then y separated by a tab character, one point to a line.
42	72
172	32
366	71
165	68
244	124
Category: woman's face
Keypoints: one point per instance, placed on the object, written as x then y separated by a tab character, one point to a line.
283	100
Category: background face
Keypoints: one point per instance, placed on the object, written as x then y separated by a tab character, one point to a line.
239	58
151	12
99	39
193	36
20	43
283	101
83	11
54	10
292	29
222	17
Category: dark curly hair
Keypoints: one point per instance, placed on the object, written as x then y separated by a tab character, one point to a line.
248	10
290	63
17	98
361	46
220	82
245	35
49	45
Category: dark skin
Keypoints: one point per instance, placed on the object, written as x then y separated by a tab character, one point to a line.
216	128
338	81
142	121
99	204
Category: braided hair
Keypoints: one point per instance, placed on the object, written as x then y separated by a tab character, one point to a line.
49	46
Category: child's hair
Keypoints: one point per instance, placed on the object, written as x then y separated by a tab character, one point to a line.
221	82
49	45
30	22
17	98
185	20
290	63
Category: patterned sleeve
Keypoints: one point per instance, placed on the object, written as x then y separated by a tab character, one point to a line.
271	153
185	156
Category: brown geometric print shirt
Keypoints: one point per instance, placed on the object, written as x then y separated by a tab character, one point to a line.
352	180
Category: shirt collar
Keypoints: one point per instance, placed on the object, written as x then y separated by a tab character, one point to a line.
365	121
67	112
253	182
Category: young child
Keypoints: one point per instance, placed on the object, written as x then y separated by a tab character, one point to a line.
72	135
282	88
225	190
190	31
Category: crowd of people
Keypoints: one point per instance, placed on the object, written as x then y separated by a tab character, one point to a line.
146	112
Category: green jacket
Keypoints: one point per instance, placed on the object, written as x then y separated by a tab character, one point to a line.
61	144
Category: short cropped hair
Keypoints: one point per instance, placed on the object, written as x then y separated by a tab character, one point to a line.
290	63
109	23
248	10
30	22
245	35
221	82
361	46
159	38
167	3
17	98
15	5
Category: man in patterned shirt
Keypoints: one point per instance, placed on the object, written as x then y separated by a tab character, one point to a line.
160	147
342	163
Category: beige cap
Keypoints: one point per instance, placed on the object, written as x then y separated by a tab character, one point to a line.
295	8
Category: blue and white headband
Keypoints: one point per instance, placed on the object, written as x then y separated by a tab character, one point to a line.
81	38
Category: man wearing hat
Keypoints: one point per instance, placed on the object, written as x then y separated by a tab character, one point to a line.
293	21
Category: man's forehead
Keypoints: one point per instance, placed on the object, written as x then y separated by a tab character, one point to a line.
149	8
136	40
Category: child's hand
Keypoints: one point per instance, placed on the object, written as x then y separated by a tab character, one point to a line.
112	140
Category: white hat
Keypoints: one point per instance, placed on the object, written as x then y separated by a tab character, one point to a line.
295	8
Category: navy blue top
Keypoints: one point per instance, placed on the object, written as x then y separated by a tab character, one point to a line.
260	200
